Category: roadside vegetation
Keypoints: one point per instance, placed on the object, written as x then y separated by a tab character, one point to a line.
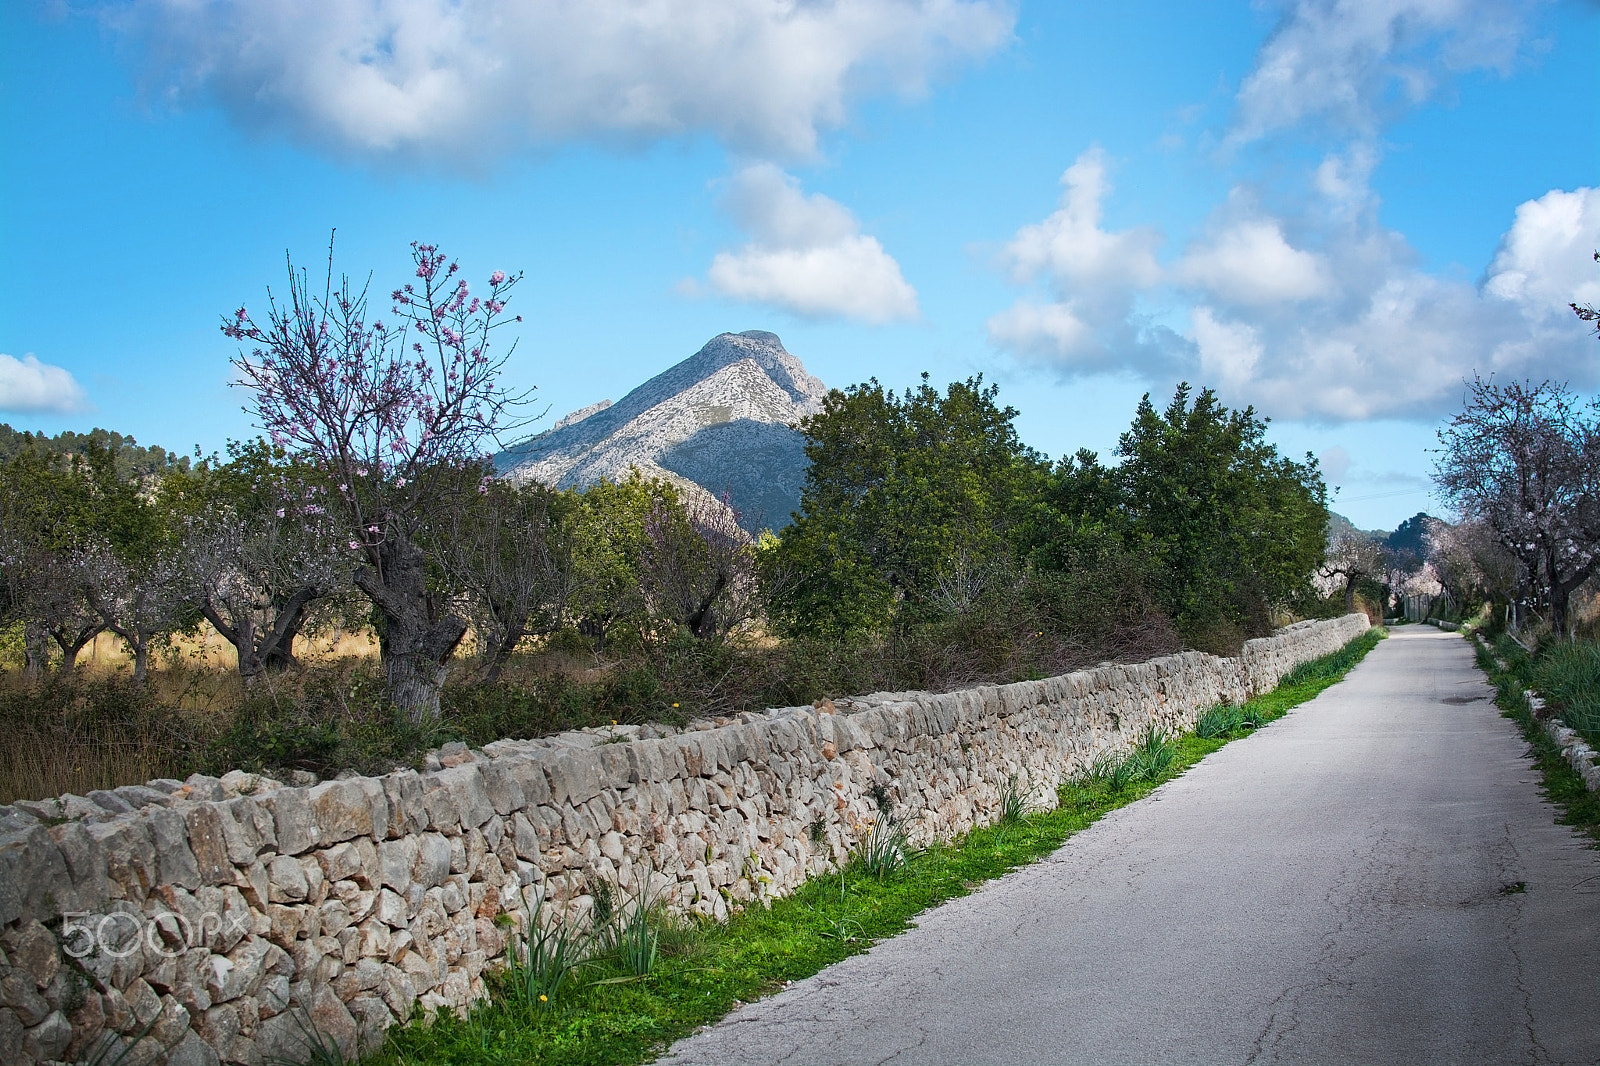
622	990
1561	673
161	616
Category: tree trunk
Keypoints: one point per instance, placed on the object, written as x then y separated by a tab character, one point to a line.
1350	595
415	646
35	649
501	653
72	643
141	660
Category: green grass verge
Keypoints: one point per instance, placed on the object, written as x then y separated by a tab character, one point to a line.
609	1017
1560	783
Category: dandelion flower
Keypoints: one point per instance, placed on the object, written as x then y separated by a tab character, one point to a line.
544	998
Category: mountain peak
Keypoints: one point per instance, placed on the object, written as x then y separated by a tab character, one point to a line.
721	422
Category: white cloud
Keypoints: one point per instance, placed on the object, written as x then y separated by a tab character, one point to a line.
455	79
1229	351
806	254
1348	64
28	386
1092	276
1546	260
1071	247
1043	329
1250	263
1390	340
1350	332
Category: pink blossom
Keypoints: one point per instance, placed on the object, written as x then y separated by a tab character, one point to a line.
496	278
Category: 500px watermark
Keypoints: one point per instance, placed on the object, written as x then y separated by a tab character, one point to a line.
119	934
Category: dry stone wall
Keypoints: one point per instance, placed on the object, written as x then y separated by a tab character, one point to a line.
221	917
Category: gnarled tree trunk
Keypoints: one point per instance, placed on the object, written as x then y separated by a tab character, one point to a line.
415	645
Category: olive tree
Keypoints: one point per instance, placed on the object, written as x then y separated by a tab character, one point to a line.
510	555
1352	555
261	554
398	415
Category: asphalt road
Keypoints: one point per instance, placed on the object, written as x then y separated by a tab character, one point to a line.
1372	879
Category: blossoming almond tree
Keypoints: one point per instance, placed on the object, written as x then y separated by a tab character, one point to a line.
398	415
1525	458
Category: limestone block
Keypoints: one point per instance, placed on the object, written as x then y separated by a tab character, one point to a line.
330	1018
86	863
32	952
574	776
503	790
208	843
396	859
292	820
235	920
248	827
397	992
468	795
340	810
49	1039
20	995
251	879
342	862
333	916
286	880
34	877
443	817
408	813
288	924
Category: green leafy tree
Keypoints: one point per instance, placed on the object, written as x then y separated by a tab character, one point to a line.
609	539
84	549
907	508
1235	527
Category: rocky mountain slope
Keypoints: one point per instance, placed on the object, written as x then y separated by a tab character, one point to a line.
720	420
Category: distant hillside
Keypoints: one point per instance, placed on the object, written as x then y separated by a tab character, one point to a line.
721	420
133	459
1405	539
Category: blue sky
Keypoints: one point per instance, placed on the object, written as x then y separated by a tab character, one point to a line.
1336	210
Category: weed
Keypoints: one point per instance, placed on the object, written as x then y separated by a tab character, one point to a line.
884	851
1125	770
543	958
633	937
1013	803
1104	769
1155	752
1219	721
1579	807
